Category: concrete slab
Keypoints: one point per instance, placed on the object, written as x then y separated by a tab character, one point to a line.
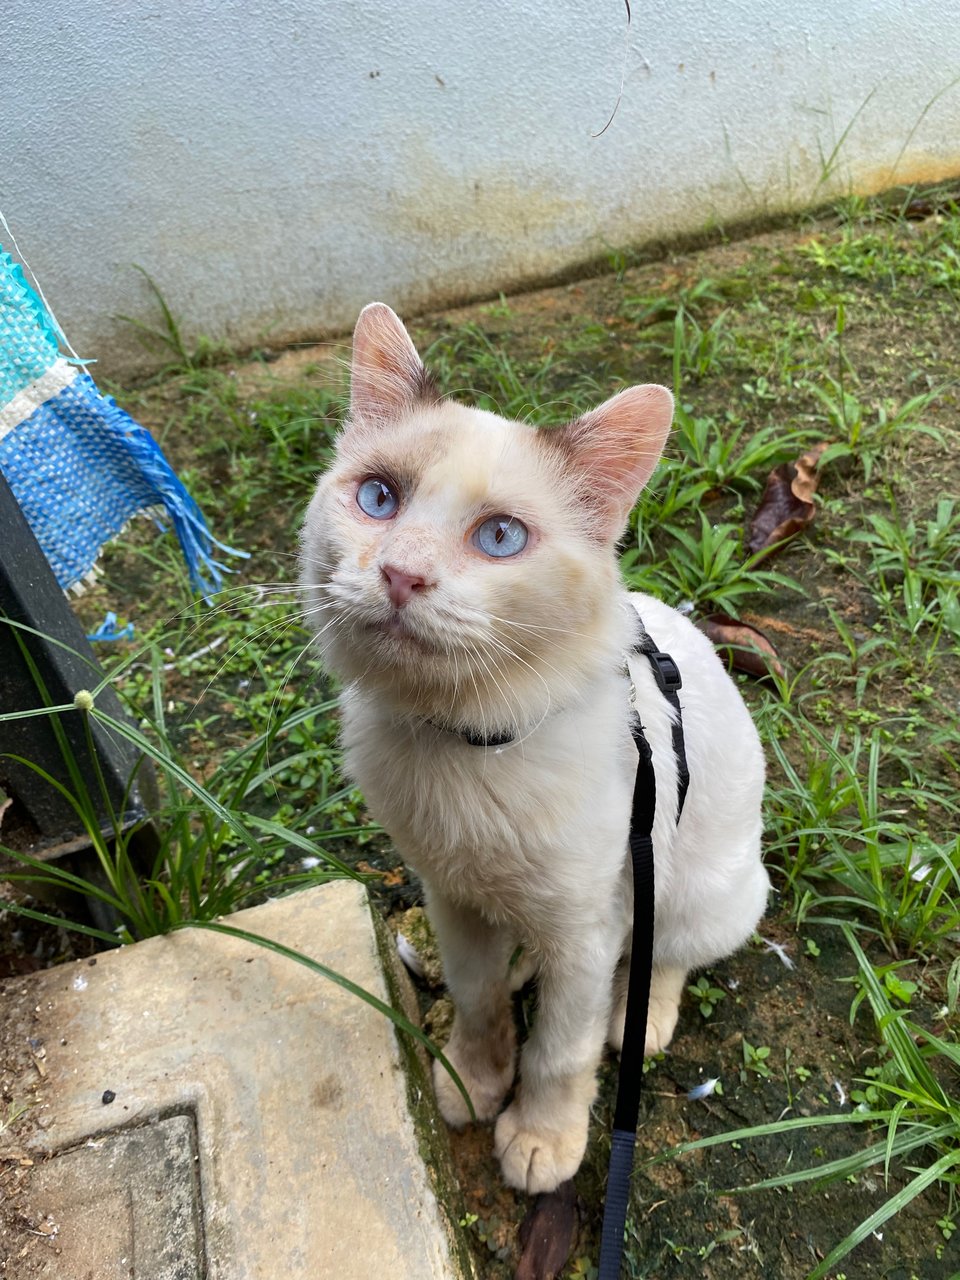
307	1159
126	1204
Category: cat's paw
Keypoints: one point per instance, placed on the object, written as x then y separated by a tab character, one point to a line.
662	1017
536	1159
487	1089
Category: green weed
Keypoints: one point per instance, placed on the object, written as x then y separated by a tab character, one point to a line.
705	569
848	841
213	852
902	1099
707	997
913	570
470	366
724	455
755	1059
167	337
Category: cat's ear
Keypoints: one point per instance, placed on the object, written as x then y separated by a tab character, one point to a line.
613	450
386	374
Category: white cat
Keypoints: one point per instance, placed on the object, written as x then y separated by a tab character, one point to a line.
460	574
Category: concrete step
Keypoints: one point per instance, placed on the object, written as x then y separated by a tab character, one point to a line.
212	1109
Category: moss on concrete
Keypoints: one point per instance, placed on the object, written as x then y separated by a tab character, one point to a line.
430	1129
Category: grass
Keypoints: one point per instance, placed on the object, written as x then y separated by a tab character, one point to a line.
903	1100
216	846
848	337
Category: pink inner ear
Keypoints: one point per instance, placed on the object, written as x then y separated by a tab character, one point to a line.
616	447
386	374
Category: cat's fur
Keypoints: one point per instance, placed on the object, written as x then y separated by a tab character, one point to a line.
525	843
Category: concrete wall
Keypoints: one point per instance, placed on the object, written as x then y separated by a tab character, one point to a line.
274	164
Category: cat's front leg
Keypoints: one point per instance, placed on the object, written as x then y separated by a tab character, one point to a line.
667	984
482	1045
541	1137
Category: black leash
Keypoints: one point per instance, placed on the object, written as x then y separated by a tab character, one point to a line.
630	1080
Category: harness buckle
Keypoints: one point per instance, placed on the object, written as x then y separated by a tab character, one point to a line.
666	672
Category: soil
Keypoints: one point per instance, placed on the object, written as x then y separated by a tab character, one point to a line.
692	1214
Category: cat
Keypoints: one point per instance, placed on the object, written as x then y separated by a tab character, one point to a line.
460	574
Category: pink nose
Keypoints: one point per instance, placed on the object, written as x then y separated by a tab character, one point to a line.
400	584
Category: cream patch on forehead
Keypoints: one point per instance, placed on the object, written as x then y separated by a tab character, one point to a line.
486	462
463	476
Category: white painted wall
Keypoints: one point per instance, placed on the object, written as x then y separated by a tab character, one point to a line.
274	165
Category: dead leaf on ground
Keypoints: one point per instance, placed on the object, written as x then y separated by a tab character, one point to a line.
546	1234
743	646
787	503
389	878
929	205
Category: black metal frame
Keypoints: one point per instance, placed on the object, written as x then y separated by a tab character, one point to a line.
41	821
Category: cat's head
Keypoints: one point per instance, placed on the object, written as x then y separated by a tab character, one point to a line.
462	565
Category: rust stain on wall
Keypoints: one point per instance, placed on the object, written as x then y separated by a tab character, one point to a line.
919	169
463	237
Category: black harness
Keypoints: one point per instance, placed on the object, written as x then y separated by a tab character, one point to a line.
627	1109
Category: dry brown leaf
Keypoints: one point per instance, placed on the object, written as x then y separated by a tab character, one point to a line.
929	206
786	506
744	647
390	878
546	1234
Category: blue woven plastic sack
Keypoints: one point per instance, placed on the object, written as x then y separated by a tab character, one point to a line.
78	465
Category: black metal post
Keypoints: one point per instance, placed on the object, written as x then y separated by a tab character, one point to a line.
41	821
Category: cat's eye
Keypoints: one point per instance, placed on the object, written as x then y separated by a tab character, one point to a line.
376	498
501	536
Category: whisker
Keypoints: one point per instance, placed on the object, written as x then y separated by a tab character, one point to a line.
294	663
233	601
507	700
540	628
565	680
235	650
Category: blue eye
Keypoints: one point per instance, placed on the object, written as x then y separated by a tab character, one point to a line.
501	536
376	498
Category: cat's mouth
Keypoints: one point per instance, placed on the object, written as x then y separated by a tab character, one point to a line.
397	629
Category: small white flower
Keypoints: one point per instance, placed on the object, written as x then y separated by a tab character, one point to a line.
83	700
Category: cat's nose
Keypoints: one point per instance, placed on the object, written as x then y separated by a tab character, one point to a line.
400	584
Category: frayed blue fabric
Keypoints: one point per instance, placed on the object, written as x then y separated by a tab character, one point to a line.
108	632
79	465
28	341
